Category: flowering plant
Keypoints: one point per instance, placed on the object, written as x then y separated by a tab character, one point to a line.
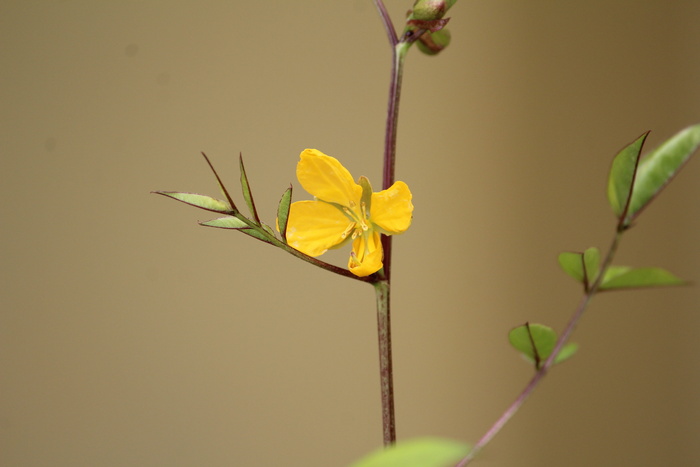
345	212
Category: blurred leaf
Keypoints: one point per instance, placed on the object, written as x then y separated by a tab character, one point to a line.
620	277
572	264
591	260
420	452
283	212
228	222
622	175
199	201
536	342
247	194
658	168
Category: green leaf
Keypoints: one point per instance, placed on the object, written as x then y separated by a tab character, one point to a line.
228	222
260	235
199	201
622	173
247	194
283	212
622	277
591	261
536	343
574	263
419	452
658	168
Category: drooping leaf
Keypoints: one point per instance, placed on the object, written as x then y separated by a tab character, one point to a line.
223	189
536	343
228	222
199	201
622	174
659	167
420	452
283	212
621	277
247	194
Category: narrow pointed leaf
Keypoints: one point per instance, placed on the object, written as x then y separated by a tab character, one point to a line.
228	222
199	201
221	184
659	167
621	177
536	343
639	277
283	212
420	452
572	264
247	194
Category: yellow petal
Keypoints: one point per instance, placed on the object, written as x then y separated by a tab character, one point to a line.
314	227
367	254
326	179
392	209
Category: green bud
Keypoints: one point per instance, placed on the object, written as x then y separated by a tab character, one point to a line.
431	43
429	10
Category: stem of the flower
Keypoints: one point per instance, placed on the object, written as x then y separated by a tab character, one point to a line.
540	374
386	376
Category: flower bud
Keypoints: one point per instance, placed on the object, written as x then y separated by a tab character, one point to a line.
429	10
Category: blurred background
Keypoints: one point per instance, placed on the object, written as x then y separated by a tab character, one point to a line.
129	335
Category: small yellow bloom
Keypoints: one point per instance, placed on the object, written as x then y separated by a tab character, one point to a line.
344	211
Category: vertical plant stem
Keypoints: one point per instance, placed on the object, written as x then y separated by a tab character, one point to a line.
386	375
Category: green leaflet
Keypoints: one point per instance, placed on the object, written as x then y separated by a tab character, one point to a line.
419	452
659	167
622	277
199	201
536	343
283	212
622	173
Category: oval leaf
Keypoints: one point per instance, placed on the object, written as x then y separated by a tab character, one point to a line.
536	343
623	278
420	452
572	264
199	201
658	168
621	177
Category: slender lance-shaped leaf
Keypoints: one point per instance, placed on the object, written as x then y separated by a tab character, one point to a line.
536	342
621	277
228	222
247	194
221	185
283	212
420	452
621	177
235	223
199	201
659	167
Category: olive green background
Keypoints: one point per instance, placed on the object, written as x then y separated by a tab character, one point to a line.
129	335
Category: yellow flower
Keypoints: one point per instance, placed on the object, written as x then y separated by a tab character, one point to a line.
344	211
